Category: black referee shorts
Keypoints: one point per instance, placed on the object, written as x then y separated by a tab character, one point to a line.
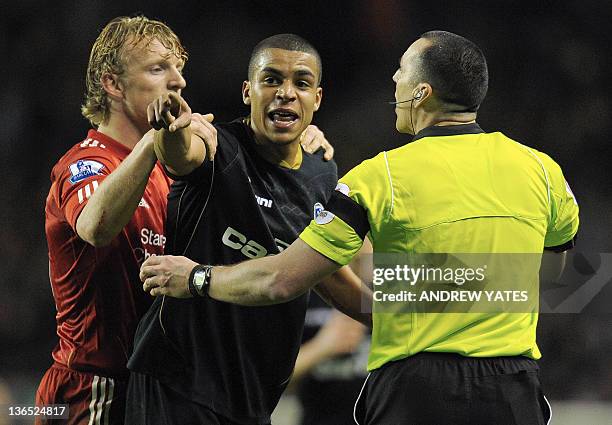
149	402
441	388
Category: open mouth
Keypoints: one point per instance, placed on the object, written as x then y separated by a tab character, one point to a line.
283	118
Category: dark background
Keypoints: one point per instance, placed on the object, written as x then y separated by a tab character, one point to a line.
549	67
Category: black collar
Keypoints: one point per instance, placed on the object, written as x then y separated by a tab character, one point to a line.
448	130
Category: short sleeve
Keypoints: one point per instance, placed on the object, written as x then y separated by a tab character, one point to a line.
564	221
338	231
77	178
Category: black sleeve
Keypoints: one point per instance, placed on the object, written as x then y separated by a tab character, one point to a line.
227	150
333	178
350	212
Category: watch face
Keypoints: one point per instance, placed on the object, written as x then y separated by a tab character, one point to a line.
199	278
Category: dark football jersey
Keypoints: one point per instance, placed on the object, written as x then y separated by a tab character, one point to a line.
234	360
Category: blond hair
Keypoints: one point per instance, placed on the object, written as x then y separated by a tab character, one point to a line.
107	56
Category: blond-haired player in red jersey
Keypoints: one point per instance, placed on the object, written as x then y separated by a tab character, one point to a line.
105	214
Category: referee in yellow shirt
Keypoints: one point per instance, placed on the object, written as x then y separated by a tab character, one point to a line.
454	189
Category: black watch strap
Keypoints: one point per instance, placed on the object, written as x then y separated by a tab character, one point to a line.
200	289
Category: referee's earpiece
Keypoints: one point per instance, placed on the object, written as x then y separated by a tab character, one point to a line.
418	95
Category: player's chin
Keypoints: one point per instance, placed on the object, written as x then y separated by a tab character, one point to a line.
283	138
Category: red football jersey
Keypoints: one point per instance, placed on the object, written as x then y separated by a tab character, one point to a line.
98	295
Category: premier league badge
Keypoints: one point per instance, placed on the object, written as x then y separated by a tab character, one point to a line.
320	215
83	169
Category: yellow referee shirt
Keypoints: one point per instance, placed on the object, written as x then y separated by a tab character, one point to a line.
455	189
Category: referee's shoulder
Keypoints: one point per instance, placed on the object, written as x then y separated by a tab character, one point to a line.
369	169
545	159
408	155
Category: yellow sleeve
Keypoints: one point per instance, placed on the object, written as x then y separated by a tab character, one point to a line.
336	240
338	231
564	221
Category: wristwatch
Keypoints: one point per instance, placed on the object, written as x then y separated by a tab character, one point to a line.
199	280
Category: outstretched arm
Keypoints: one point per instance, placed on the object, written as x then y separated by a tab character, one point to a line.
262	281
345	291
184	140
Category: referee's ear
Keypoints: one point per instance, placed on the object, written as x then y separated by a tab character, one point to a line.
246	92
422	92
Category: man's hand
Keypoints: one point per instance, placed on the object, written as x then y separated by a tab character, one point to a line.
169	111
183	140
312	139
201	126
167	275
339	335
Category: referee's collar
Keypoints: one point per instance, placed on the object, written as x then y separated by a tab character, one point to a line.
448	130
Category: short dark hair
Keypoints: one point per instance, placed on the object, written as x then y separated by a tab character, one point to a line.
456	68
291	42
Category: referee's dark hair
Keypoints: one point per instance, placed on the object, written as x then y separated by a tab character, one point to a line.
457	70
291	42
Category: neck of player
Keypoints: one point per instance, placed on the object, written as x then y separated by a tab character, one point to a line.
123	130
286	155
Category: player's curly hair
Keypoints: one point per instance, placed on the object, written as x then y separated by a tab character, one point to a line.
108	56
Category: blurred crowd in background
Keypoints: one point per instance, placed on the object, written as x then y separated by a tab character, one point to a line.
549	67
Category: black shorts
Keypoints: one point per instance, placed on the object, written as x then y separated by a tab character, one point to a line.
441	388
149	402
